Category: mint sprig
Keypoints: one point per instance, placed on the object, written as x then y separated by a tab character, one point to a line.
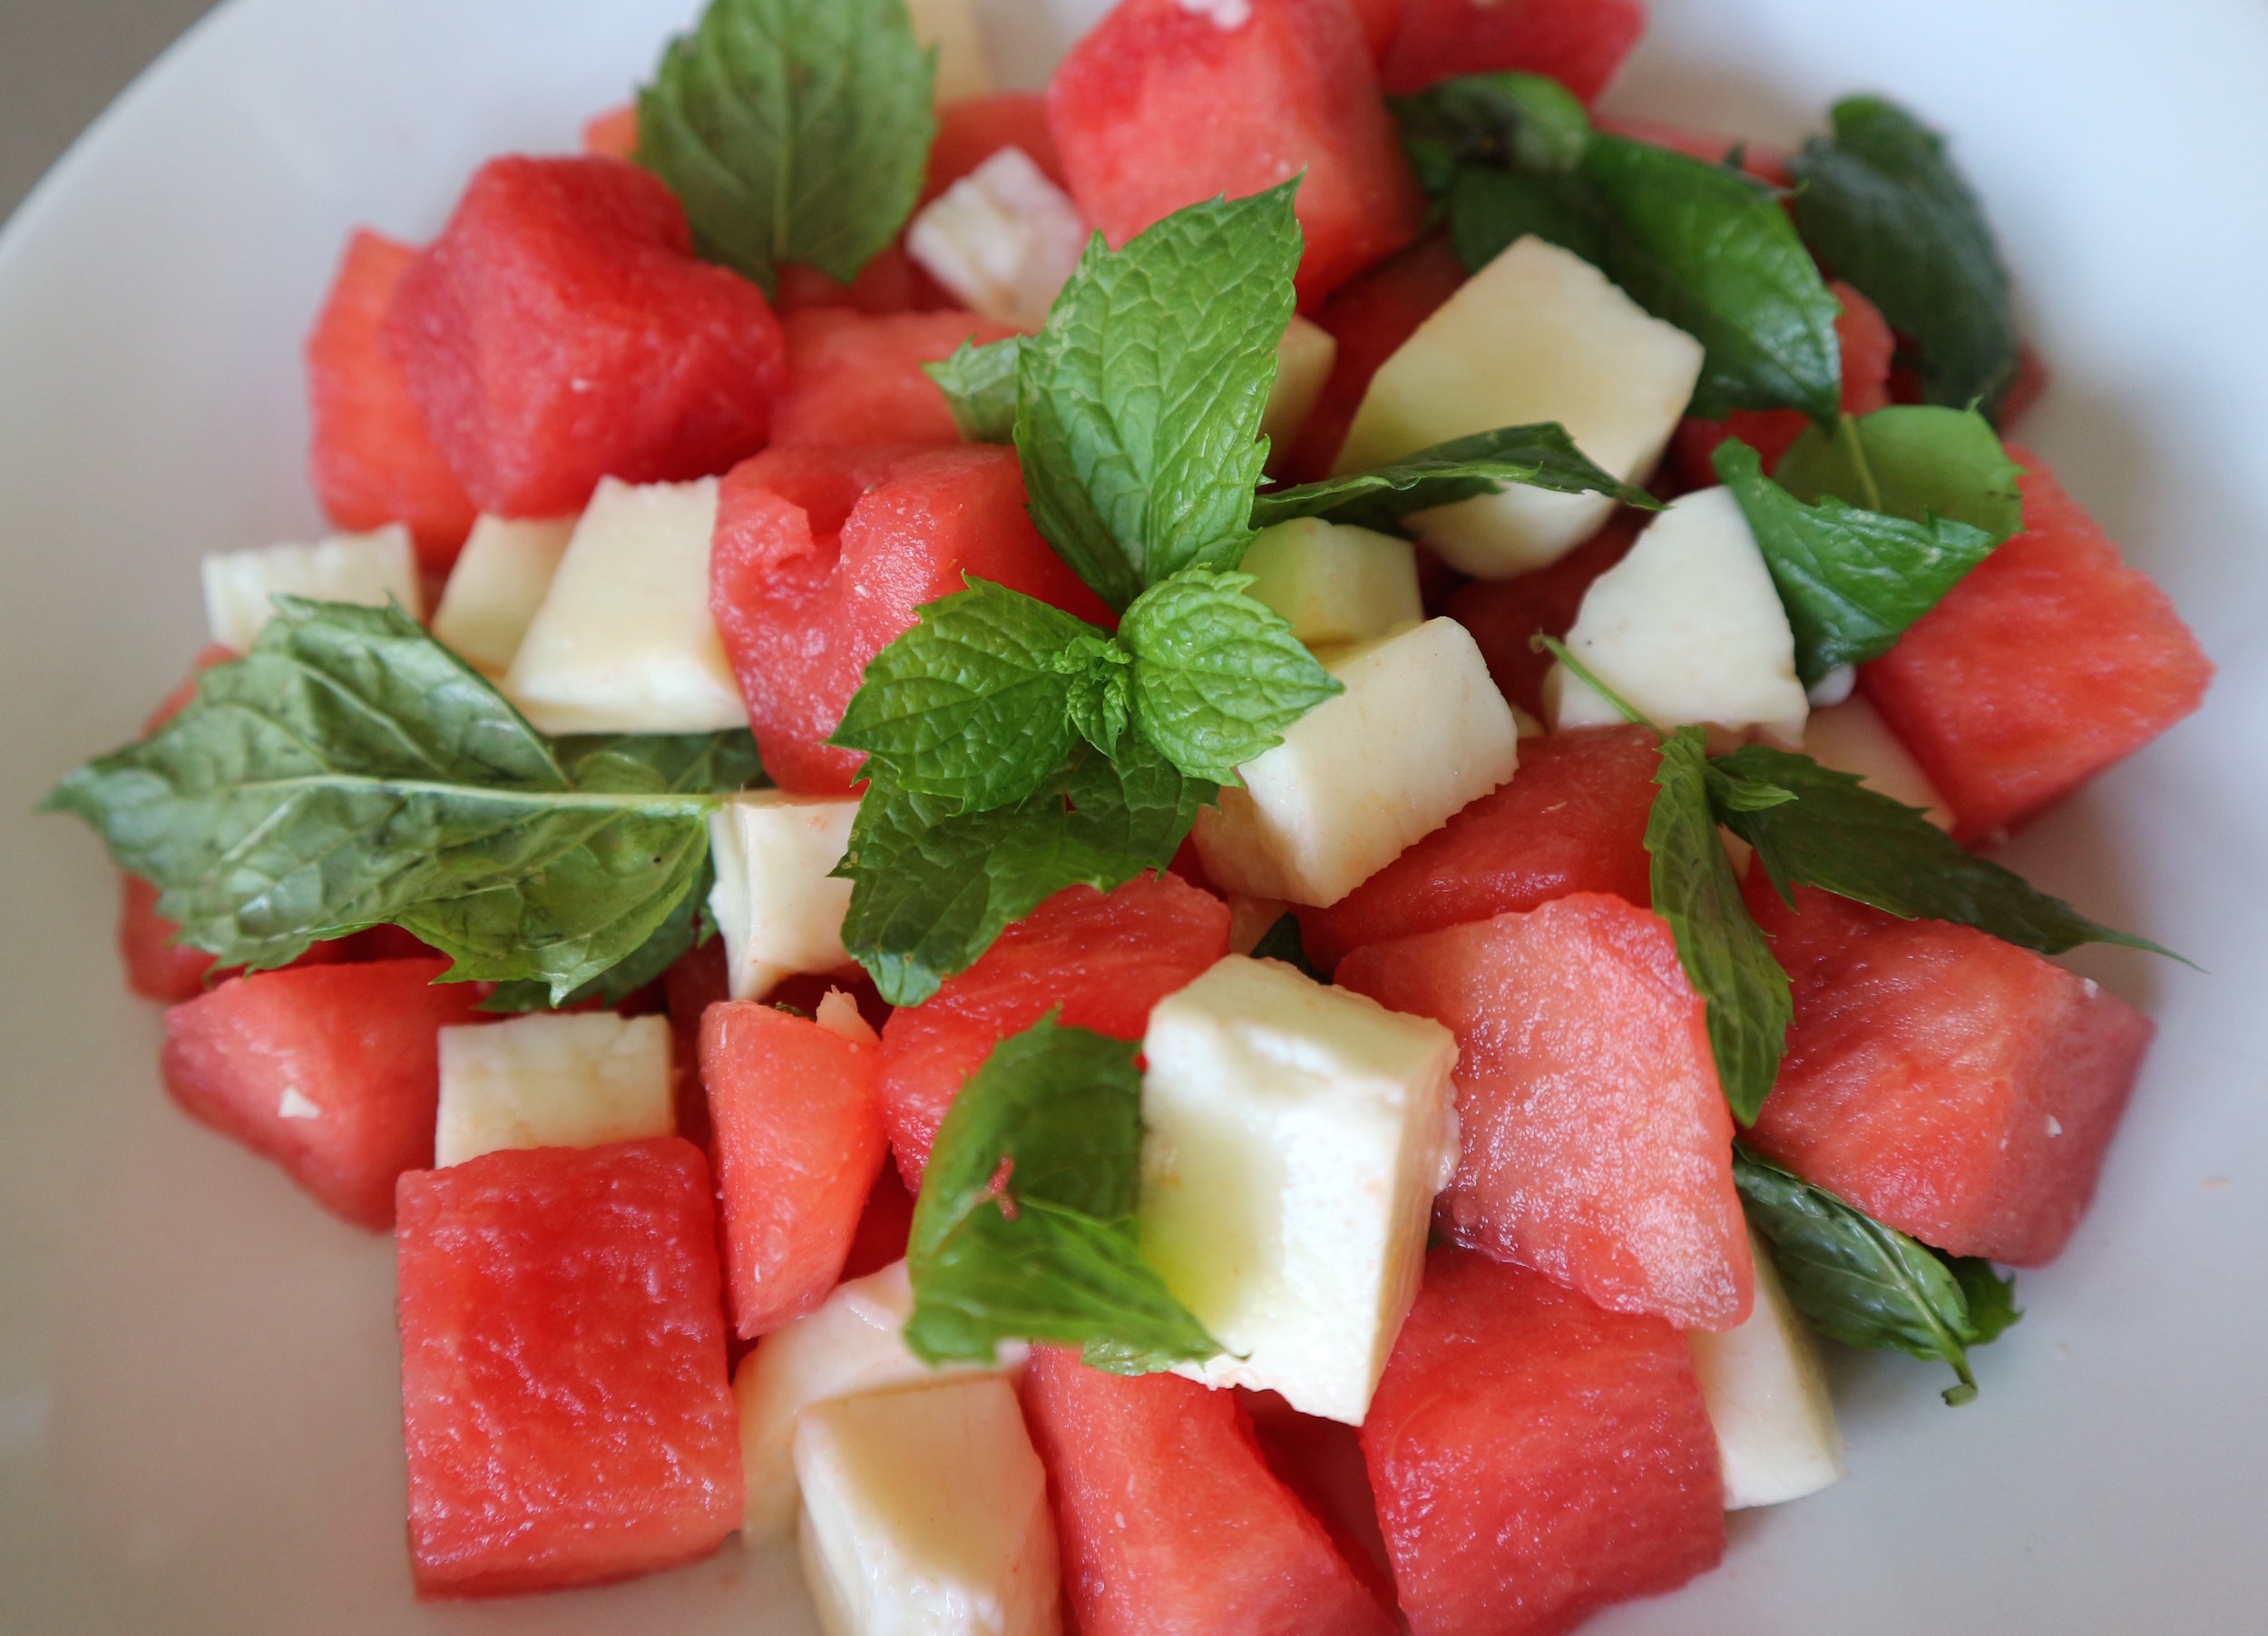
979	386
1537	456
1914	461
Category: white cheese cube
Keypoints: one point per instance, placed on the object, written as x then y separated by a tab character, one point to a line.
776	899
1295	1136
1688	628
952	27
1303	364
1853	737
623	642
1336	584
496	586
365	568
925	1514
848	1345
553	1080
1776	1436
1420	732
1002	239
1538	334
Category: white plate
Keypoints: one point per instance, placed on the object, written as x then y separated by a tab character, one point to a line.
198	1413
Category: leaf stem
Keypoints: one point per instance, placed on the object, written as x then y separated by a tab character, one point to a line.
1847	429
1583	674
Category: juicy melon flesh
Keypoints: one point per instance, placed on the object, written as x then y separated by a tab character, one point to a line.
1579	42
1867	348
157	968
855	380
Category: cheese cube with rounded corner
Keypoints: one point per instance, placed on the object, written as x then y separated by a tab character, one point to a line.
964	69
1687	628
848	1345
1336	584
496	586
1853	737
365	568
1294	1138
1304	358
1777	1434
925	1514
776	899
1419	732
1538	334
1002	239
553	1080
623	642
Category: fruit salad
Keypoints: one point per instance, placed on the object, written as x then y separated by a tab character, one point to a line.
1206	853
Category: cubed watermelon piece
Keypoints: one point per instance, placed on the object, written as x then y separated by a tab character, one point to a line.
1955	1086
1571	819
1505	616
889	282
612	135
1380	19
1598	1146
883	1227
1579	42
561	330
564	1395
821	557
1104	958
971	130
1536	1458
695	981
1170	1518
371	460
334	1072
1370	316
798	1144
1165	105
1867	346
157	968
2051	660
853	380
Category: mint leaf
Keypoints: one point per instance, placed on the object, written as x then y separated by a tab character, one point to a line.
1886	209
1025	1230
980	384
1218	676
1140	403
1490	208
1867	1285
1539	456
1101	699
1283	942
644	965
1913	461
792	130
1525	121
1853	581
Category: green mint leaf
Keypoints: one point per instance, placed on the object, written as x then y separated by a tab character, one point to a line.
1853	581
1539	456
1101	703
1728	960
1489	208
1992	1309
644	965
980	384
1885	208
1525	121
1914	461
1140	403
792	130
1217	675
1283	942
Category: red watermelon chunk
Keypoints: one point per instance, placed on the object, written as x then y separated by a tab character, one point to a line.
889	282
157	968
823	555
1165	105
853	380
334	1072
371	461
2051	660
1579	42
564	1397
1505	616
1955	1086
1105	959
612	135
1171	1520
1536	1458
798	1144
1598	1148
1370	316
561	330
971	130
1867	346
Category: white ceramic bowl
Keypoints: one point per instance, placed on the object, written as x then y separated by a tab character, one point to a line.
197	1416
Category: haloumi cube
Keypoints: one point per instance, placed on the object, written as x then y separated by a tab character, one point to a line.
365	568
1853	737
1003	238
1336	584
776	899
553	1080
1304	358
1776	1436
496	586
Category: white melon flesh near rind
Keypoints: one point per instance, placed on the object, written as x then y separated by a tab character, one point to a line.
1852	737
1419	732
1295	1136
1002	239
1536	335
1304	358
565	1080
1688	629
496	586
1767	1398
362	568
1333	583
926	1511
964	67
776	898
623	642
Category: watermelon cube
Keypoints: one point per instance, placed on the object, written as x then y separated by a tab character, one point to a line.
561	330
798	1145
1598	1146
889	282
1571	819
1506	615
1370	316
157	968
1867	347
372	461
820	558
331	1070
855	379
613	133
1536	1458
1579	42
565	1402
2051	660
1105	959
1165	105
1171	1517
972	129
1955	1086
